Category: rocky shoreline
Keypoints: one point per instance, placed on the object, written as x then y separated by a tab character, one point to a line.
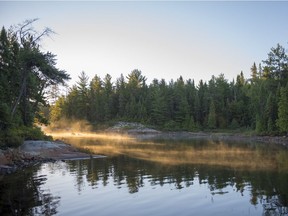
12	159
32	153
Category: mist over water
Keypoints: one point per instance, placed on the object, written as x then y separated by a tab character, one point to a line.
246	156
159	176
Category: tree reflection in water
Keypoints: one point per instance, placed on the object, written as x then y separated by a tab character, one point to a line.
21	194
248	169
268	188
261	169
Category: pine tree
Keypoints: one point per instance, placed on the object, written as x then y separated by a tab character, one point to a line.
57	110
122	95
159	108
271	112
83	105
37	71
277	63
108	97
260	71
136	88
96	109
180	107
254	74
282	121
203	105
212	116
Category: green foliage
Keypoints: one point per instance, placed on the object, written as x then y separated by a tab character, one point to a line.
234	124
11	138
277	64
178	105
171	126
25	74
260	125
189	124
282	121
14	136
259	102
254	72
212	116
32	133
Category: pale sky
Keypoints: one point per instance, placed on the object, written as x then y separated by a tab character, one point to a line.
162	39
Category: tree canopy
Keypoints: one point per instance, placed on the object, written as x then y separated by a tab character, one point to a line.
25	74
254	103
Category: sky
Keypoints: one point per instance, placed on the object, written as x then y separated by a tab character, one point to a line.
163	39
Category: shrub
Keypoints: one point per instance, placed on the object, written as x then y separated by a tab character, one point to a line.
33	133
12	138
171	125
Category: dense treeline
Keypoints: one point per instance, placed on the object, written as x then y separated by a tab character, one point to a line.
25	74
258	103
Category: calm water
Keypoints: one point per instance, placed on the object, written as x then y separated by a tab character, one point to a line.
154	177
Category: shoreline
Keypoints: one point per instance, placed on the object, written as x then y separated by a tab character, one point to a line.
275	140
33	152
141	131
36	152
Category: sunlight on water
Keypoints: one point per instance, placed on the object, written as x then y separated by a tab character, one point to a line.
125	186
153	177
208	152
101	136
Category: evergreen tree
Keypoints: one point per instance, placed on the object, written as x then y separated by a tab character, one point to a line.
181	107
260	124
159	108
203	105
121	95
190	95
254	72
266	73
271	112
135	89
277	63
240	79
221	98
57	111
108	97
96	109
282	121
25	75
212	116
37	71
260	71
83	100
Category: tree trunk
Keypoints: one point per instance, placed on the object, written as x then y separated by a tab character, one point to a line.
22	90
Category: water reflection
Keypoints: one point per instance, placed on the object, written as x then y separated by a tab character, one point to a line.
21	194
266	188
249	156
260	168
175	177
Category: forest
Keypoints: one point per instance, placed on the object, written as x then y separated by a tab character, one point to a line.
29	76
258	103
25	74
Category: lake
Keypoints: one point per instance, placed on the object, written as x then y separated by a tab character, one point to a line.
154	176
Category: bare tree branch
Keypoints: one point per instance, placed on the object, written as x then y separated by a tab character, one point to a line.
27	34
